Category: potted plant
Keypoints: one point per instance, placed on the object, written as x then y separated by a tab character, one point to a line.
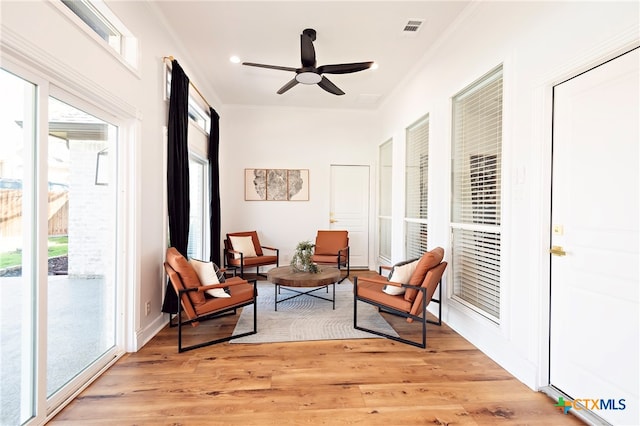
301	260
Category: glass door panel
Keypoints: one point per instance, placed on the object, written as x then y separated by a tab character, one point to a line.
17	272
81	241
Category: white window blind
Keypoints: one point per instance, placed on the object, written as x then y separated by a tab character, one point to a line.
416	190
384	207
476	190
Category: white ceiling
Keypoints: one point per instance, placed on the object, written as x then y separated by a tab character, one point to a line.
268	32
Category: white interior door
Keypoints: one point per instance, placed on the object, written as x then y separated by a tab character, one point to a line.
350	209
594	284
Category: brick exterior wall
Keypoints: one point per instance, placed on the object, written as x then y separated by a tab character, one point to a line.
91	214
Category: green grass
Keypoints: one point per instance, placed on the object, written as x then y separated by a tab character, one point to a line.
57	246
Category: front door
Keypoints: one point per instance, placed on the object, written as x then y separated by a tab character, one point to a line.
594	264
350	209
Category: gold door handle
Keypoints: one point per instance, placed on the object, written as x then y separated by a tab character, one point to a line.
332	221
557	251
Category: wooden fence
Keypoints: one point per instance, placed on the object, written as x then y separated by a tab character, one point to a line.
11	212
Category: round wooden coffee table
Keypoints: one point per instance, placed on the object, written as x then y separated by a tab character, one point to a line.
287	277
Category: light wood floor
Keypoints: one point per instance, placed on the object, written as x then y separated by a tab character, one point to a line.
362	381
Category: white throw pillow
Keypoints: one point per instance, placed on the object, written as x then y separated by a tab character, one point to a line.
206	272
244	245
401	274
217	292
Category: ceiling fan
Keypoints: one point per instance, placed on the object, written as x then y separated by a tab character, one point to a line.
309	73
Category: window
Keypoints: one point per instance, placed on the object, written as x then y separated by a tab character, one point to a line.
417	188
198	113
199	207
98	20
384	208
476	206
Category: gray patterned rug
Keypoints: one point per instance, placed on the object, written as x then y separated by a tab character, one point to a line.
308	318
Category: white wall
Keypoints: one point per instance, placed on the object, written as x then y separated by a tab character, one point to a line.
286	138
539	43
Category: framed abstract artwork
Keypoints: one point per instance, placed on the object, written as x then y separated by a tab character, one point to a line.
276	185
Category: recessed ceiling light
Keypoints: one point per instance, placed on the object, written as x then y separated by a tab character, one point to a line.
235	59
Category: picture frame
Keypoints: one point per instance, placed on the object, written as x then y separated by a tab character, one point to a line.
276	184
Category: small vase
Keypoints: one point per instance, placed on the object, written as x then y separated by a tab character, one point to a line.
299	266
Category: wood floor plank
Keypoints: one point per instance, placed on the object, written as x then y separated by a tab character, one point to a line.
362	382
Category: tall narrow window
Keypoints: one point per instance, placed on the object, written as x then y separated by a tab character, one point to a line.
198	111
476	206
198	211
385	173
417	188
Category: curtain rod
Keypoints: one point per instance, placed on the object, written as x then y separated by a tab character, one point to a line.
170	59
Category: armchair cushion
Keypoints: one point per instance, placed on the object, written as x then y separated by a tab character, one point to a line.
187	274
329	242
239	291
369	288
243	244
401	273
426	262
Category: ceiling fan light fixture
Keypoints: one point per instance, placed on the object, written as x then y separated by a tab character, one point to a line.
308	78
309	73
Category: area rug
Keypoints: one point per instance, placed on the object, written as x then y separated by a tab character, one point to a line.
308	318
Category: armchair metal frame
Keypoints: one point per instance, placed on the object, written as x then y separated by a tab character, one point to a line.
233	263
384	308
186	305
213	315
425	293
342	256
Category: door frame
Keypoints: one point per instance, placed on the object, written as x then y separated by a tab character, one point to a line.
542	184
367	214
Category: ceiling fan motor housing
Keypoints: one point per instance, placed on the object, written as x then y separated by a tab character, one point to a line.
311	33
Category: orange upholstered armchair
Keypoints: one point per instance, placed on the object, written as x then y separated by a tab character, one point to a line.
243	250
200	301
406	293
332	248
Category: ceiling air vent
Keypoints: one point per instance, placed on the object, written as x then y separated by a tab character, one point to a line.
412	26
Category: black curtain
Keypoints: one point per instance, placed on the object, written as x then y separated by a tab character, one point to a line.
177	172
214	185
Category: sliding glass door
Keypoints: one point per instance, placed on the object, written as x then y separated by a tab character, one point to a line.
17	250
58	228
80	240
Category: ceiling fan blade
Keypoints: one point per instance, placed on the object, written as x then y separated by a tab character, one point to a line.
344	68
329	86
307	51
273	67
287	86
